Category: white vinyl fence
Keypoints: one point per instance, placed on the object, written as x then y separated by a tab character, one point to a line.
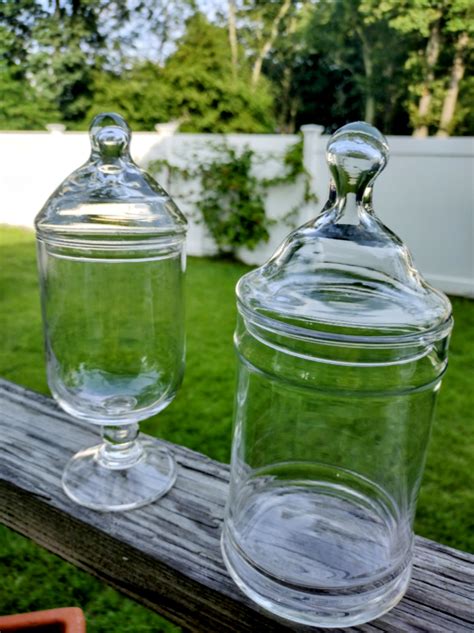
425	194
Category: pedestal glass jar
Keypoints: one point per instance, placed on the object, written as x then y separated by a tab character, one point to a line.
111	255
341	347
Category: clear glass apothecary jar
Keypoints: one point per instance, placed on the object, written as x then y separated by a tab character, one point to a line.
111	258
341	348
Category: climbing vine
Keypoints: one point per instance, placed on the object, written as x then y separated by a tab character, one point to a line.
231	198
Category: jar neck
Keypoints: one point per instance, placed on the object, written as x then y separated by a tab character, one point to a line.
353	206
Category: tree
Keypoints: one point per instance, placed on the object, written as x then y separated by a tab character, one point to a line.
17	20
196	85
460	24
444	30
268	33
232	27
141	94
400	64
70	42
20	107
55	45
283	67
258	24
341	70
205	92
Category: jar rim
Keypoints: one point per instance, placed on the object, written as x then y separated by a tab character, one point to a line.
419	337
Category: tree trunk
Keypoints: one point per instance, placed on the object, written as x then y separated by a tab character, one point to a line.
287	113
369	115
234	51
451	96
431	55
267	45
286	116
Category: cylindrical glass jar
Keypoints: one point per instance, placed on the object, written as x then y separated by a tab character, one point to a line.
341	348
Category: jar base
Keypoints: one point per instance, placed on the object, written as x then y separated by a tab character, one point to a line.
91	484
316	555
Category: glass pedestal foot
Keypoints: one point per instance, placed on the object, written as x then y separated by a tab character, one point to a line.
103	480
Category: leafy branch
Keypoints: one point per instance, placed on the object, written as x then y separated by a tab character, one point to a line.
230	198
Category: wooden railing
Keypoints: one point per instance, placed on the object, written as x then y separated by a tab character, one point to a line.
166	555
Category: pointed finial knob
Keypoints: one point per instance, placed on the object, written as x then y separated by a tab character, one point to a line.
110	135
356	154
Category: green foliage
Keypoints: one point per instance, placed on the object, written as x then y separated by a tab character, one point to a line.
434	28
71	41
232	203
68	54
294	62
20	107
197	89
17	20
343	72
205	95
464	117
140	94
56	46
293	163
231	199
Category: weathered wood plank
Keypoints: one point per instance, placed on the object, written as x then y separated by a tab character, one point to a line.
167	555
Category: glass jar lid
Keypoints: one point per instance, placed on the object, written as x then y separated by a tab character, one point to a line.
109	195
345	276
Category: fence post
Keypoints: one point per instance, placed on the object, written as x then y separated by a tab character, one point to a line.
166	132
314	160
56	128
312	149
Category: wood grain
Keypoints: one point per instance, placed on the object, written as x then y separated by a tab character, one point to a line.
166	555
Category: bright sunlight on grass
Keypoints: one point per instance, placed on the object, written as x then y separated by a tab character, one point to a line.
200	418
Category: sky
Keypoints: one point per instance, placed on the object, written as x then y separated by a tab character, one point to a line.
146	46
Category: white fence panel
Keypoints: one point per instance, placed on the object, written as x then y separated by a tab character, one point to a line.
426	194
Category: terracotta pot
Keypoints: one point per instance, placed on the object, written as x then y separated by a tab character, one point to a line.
67	620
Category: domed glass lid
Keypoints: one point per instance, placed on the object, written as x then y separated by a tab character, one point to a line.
345	275
110	195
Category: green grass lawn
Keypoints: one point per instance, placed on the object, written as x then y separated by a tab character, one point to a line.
200	418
